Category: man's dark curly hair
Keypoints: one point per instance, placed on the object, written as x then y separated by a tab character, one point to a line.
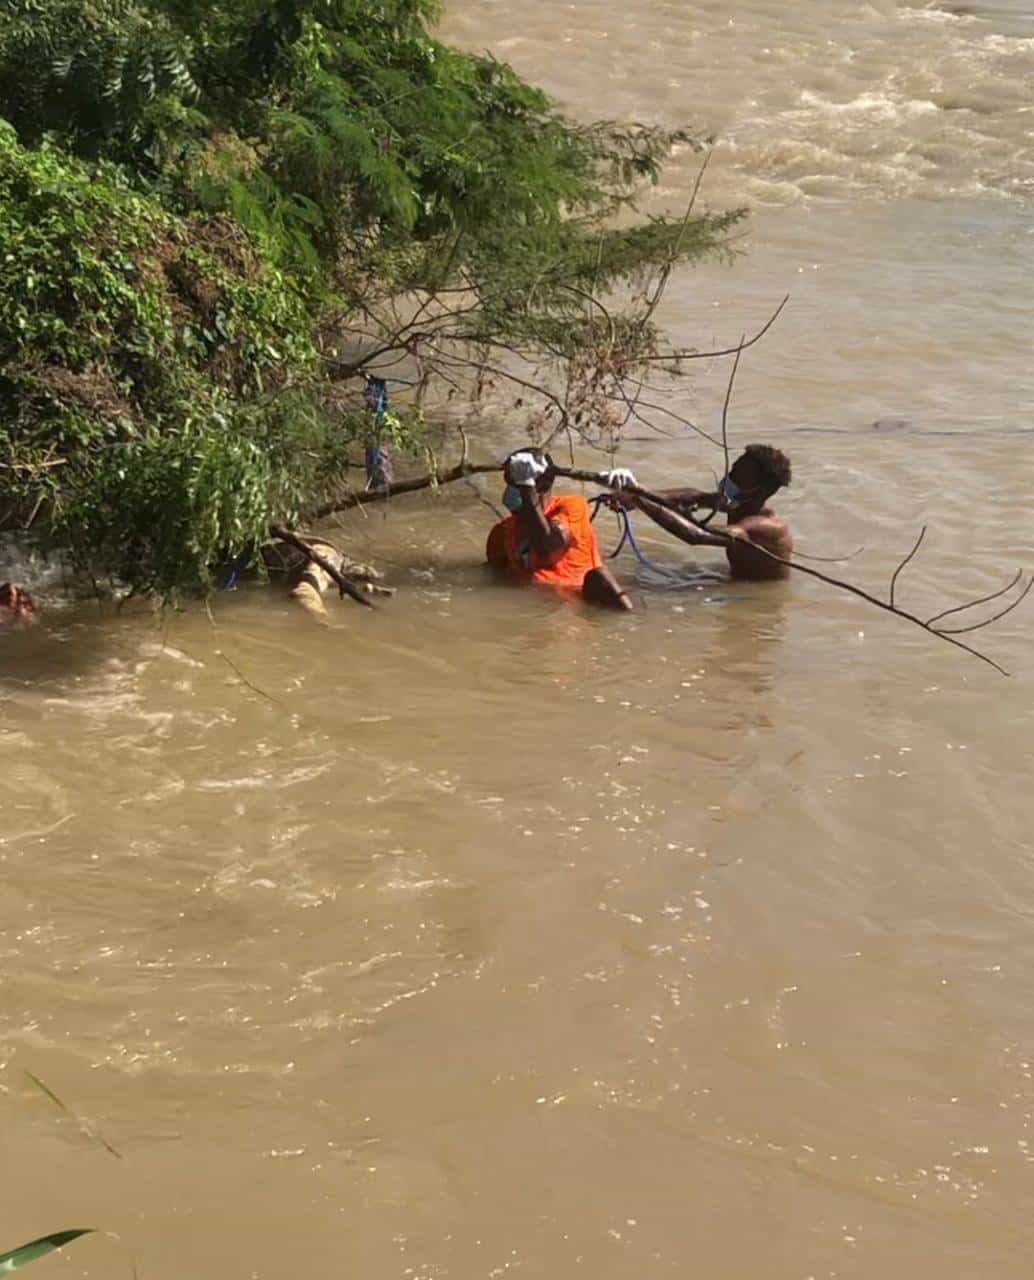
773	465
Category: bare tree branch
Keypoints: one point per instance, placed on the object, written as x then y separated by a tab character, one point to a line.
677	417
369	496
728	401
665	272
679	356
332	571
961	608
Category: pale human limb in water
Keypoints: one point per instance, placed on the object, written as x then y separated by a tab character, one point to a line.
17	607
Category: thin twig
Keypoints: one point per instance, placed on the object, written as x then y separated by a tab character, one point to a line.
84	1128
241	676
728	401
660	408
977	626
679	356
38	831
665	272
804	555
595	302
961	608
907	560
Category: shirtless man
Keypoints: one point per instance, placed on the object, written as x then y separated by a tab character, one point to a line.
758	473
17	607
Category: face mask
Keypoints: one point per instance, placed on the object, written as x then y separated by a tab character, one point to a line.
512	498
731	490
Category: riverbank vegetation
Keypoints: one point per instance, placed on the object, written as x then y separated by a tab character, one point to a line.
216	221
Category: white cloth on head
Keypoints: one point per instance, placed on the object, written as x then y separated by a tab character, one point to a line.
524	469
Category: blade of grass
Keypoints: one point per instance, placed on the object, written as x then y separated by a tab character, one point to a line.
37	1248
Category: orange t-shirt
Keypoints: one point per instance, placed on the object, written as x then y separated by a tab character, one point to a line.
509	547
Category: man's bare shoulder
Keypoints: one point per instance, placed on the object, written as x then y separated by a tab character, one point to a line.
766	526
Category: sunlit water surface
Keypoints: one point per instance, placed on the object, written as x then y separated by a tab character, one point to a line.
486	935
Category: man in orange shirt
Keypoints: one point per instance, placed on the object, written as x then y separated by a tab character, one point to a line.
549	540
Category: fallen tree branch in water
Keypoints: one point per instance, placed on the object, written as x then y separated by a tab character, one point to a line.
345	587
368	496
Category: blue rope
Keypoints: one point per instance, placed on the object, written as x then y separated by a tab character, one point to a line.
628	536
626	530
643	560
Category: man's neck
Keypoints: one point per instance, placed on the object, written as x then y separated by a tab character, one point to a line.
759	508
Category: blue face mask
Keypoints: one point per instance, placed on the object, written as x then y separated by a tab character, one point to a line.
731	490
512	498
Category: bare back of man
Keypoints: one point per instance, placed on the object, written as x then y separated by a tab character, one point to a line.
764	530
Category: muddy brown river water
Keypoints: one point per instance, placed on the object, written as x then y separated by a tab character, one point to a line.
500	937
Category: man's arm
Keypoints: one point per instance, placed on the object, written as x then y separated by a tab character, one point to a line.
495	547
693	498
549	541
680	527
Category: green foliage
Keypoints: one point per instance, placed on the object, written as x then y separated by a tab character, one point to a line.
97	73
190	191
326	127
143	398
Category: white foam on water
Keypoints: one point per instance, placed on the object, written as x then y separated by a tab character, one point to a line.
876	105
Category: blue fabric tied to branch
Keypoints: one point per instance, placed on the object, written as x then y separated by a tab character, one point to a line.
380	470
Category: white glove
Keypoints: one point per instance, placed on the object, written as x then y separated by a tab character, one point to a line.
619	477
524	469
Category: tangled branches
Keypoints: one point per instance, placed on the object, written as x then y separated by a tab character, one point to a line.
559	330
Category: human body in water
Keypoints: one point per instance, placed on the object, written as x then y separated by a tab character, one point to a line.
758	473
550	540
17	607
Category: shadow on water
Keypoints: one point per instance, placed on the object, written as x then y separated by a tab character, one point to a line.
52	650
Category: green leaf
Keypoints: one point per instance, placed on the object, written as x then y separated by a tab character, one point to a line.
38	1248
